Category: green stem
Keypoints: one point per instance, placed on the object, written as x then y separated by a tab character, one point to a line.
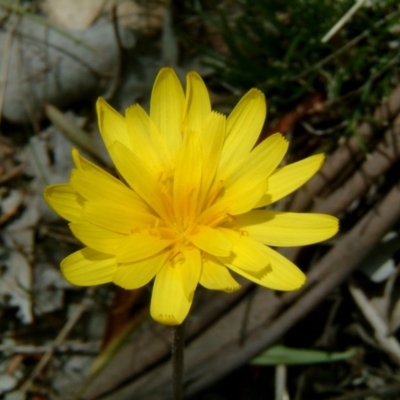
177	361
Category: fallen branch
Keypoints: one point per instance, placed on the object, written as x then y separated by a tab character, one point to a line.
376	164
349	153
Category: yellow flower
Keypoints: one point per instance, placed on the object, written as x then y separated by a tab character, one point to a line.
187	207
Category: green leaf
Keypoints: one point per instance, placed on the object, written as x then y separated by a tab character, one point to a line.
289	356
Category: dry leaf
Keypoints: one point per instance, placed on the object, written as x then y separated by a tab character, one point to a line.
10	205
147	18
73	14
16	285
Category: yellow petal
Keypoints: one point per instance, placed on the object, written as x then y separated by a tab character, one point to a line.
96	238
112	125
247	253
277	228
147	142
216	276
169	303
241	187
187	179
117	217
197	105
135	275
187	261
104	189
166	108
287	179
260	163
137	246
88	267
93	185
82	163
235	202
211	241
141	179
280	275
211	142
64	200
244	125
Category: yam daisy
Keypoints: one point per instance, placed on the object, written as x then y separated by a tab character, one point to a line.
190	205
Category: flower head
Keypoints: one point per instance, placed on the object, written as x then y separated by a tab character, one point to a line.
188	206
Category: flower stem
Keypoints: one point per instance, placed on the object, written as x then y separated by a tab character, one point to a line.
177	361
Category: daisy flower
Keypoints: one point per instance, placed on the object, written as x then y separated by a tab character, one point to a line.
189	207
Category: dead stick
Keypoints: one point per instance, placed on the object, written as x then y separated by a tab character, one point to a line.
386	154
346	153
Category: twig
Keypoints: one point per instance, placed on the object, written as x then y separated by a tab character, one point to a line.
323	132
6	59
347	46
13	172
73	132
346	17
385	155
116	76
67	347
388	343
347	153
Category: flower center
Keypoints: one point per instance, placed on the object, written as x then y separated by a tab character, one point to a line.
182	230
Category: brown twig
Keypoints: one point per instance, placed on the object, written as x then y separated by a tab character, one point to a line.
348	153
379	161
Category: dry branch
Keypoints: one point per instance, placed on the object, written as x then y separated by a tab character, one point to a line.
379	161
348	153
